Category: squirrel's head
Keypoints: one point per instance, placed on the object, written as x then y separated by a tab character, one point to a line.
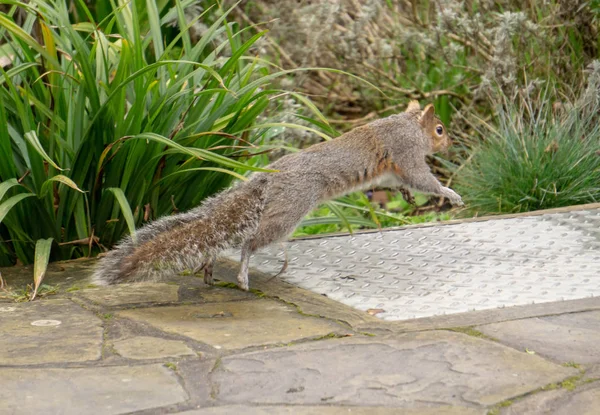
432	126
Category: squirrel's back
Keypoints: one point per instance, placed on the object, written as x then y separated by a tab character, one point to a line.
356	160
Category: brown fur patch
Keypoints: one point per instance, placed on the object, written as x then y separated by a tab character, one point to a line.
396	169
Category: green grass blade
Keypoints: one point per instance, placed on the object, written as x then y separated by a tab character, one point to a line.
17	70
334	220
216	169
125	209
289	125
17	31
6	185
7	166
40	264
154	21
183	29
337	211
32	138
61	179
309	104
7	205
197	152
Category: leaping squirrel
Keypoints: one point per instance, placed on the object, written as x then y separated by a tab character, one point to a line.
389	152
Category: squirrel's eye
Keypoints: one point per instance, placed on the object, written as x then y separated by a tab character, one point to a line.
439	130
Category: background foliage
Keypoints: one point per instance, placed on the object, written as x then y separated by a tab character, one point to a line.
494	69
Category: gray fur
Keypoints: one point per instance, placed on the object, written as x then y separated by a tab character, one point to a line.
196	253
267	208
108	270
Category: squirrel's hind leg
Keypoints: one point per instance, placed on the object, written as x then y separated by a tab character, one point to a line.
208	273
207	266
245	262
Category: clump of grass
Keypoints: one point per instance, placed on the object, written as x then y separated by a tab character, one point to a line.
572	364
20	295
172	366
543	155
107	124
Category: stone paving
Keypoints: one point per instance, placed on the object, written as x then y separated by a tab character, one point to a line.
183	348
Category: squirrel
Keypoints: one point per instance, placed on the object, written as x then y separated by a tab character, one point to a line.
389	152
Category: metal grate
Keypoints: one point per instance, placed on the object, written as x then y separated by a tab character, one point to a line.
421	272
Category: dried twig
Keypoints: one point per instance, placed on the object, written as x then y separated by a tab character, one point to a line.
24	176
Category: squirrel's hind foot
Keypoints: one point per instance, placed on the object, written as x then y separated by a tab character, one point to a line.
207	266
208	274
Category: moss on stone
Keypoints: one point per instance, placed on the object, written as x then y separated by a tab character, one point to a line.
471	331
225	284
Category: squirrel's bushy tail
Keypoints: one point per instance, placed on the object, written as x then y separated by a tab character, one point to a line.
186	240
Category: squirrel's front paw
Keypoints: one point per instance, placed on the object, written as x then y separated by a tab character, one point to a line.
453	197
407	196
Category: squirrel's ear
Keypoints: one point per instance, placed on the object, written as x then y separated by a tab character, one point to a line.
413	106
427	116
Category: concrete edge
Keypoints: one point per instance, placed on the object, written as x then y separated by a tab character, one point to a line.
497	315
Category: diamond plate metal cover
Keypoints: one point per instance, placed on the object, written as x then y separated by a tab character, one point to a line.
421	272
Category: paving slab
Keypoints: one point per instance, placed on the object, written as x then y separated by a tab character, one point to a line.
48	331
584	400
496	315
423	271
157	293
564	338
99	390
307	301
593	372
235	325
332	410
131	294
413	370
147	347
60	275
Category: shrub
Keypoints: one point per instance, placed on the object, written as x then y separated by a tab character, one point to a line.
543	154
107	124
450	51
